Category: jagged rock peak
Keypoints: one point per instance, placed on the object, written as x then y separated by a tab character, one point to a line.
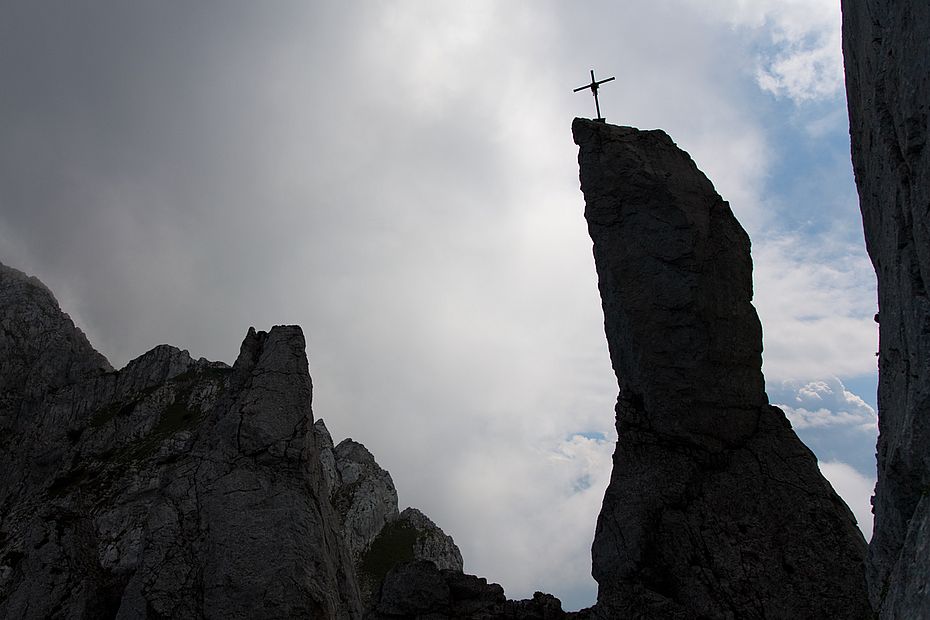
274	363
886	45
431	542
714	508
40	347
172	488
282	346
156	366
365	500
365	496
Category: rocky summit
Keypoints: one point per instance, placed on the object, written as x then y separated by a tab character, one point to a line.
715	508
886	45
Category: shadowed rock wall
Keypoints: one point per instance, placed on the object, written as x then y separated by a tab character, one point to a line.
886	45
715	508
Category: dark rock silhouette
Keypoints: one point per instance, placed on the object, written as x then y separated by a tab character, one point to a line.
173	488
181	488
418	589
886	45
715	508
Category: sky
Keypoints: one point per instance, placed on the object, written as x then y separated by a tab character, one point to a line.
399	179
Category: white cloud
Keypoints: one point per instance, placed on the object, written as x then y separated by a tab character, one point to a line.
824	403
805	418
522	515
804	71
799	52
855	489
808	62
816	300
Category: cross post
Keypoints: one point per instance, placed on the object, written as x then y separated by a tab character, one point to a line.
593	86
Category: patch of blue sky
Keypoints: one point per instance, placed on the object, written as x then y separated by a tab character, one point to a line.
851	445
582	483
811	180
832	418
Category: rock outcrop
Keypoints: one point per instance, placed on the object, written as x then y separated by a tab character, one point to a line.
378	537
714	508
172	488
364	495
430	542
886	45
411	536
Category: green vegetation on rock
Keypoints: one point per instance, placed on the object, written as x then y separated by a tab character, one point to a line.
394	544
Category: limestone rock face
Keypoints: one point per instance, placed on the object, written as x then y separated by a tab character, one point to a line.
327	459
40	348
411	536
431	543
365	500
886	45
364	497
172	488
715	508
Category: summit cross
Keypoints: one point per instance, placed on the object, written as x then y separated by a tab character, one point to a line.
593	86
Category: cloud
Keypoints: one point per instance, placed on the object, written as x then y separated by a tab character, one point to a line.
816	300
542	528
855	489
804	418
833	421
824	403
804	71
799	52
